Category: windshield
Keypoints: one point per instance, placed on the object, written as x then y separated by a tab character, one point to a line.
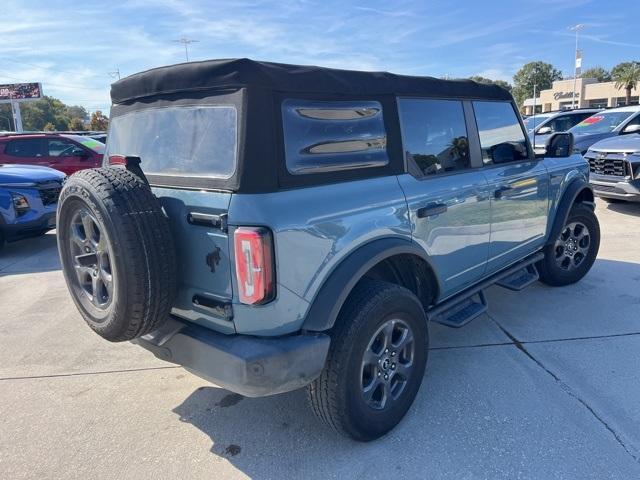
93	144
191	141
604	122
530	123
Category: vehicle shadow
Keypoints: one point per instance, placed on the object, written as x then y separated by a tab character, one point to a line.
628	208
478	390
30	255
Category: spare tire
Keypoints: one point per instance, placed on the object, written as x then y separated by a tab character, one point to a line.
117	252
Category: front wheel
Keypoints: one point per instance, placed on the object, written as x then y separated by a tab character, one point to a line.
573	252
376	361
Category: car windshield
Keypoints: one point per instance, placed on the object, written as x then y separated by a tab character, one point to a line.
190	141
93	144
531	122
603	122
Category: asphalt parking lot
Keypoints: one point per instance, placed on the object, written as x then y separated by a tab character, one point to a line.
546	386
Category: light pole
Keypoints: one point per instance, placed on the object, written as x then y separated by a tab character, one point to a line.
576	28
185	41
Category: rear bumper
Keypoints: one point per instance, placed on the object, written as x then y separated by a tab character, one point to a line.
250	366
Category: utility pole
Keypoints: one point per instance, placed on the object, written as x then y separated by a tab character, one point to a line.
17	118
186	42
577	62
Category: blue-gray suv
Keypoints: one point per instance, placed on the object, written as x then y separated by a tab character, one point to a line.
271	226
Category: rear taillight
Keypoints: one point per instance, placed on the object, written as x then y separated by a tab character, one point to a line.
117	160
254	264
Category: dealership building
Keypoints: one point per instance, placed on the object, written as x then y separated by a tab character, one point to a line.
589	94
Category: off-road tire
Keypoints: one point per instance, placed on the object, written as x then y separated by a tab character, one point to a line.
136	234
336	396
550	272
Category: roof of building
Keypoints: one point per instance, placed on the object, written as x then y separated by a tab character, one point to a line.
243	72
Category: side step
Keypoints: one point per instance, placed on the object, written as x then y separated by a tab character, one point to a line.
468	304
463	312
520	279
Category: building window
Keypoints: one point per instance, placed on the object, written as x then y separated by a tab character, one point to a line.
598	103
622	101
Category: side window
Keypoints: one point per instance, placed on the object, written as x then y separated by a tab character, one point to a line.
563	123
64	148
434	135
26	147
331	136
501	137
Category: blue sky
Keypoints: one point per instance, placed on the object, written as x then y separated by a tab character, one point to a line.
72	47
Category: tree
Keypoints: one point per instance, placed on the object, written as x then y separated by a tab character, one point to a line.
615	71
627	78
598	73
540	74
47	110
76	124
49	127
98	121
76	111
501	83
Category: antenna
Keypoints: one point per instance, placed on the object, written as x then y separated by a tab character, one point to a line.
115	73
186	42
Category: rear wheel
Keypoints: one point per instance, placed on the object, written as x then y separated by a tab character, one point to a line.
376	361
573	252
117	252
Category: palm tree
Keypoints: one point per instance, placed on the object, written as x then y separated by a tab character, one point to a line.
628	78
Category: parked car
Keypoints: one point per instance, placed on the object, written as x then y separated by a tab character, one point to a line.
605	124
320	218
28	200
67	153
100	137
615	168
541	125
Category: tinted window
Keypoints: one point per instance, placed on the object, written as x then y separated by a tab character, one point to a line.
333	136
64	148
501	137
182	141
434	134
26	147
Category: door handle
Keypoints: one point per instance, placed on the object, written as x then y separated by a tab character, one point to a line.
500	191
431	210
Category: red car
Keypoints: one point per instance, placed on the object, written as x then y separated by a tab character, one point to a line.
67	153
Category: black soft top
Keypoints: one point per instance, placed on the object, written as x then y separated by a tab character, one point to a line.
280	77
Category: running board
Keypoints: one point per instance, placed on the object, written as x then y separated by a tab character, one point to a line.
462	308
463	312
521	279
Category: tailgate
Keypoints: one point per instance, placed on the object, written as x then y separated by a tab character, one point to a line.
202	252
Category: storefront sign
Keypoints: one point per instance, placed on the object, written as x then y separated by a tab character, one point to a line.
561	95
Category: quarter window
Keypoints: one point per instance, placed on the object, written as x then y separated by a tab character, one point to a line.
434	135
333	135
501	137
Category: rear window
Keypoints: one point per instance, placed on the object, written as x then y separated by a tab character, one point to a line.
330	136
190	141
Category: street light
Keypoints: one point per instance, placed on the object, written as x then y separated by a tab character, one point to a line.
576	28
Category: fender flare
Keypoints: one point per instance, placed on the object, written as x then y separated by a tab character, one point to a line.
327	303
575	188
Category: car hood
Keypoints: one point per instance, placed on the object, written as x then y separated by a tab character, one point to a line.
21	174
621	143
583	142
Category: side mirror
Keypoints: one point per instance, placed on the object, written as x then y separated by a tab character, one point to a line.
559	145
543	131
631	128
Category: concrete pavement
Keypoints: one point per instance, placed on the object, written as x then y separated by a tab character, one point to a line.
546	386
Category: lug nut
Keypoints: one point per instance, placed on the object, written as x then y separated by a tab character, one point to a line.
378	373
393	366
386	350
386	377
393	354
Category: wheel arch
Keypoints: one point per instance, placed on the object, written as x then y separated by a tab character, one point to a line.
331	296
578	191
